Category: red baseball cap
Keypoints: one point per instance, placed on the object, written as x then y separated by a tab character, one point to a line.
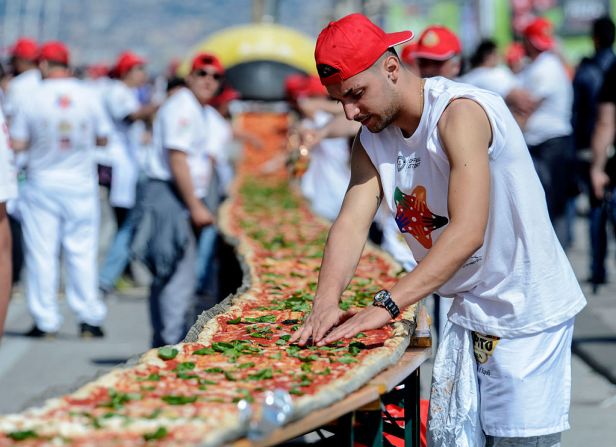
227	95
54	51
539	34
514	53
437	43
301	86
126	62
25	48
351	45
408	53
203	60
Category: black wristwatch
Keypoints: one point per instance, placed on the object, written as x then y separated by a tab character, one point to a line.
383	299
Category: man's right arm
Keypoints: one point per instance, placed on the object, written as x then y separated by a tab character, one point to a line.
602	137
178	164
5	262
345	244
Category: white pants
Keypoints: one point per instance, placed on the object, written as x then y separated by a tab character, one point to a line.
52	219
514	390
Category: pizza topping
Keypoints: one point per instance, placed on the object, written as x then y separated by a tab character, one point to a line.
179	399
167	353
160	433
22	435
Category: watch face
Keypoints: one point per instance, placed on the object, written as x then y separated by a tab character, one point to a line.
380	296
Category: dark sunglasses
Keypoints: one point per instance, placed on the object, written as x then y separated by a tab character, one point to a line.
205	73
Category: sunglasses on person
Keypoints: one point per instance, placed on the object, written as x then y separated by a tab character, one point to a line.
204	73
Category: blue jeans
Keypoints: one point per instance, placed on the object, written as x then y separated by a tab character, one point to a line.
205	269
600	214
118	254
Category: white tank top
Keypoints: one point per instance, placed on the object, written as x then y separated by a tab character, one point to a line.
520	281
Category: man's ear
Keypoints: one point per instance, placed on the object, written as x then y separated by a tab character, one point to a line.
392	67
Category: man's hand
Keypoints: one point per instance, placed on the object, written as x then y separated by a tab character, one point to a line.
369	318
599	180
201	216
322	318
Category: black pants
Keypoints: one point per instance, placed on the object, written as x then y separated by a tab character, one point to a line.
18	248
554	161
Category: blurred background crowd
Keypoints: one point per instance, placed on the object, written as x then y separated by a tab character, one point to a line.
125	145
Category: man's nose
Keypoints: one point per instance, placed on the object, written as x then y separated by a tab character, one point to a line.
350	110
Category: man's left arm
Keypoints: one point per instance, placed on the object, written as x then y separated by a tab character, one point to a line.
465	133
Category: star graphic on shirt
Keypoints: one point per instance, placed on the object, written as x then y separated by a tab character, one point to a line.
64	101
414	217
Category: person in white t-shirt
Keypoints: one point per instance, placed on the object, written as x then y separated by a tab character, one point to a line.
171	208
472	211
486	72
547	129
125	156
8	190
324	182
127	115
26	75
58	127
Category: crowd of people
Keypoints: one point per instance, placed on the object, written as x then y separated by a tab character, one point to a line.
163	159
154	150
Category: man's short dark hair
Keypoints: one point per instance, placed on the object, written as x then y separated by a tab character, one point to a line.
483	51
603	32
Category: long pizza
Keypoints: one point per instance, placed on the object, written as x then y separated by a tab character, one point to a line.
187	394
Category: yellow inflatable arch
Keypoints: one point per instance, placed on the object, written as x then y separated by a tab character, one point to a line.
258	42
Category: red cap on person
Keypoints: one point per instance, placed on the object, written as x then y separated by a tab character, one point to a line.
54	51
25	48
351	45
203	60
228	94
408	53
301	86
126	62
437	43
514	53
539	34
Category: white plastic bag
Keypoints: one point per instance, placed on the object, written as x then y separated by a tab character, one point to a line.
453	418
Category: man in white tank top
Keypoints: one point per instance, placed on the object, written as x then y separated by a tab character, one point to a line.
472	210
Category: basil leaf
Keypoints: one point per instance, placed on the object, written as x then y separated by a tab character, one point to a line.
204	351
262	374
237	320
347	358
261	319
356	347
152	377
179	400
158	434
167	353
184	366
21	435
246	365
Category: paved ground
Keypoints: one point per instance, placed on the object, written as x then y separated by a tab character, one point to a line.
33	369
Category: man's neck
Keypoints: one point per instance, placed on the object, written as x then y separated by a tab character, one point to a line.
58	73
412	106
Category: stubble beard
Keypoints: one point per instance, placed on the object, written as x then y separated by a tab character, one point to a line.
381	121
